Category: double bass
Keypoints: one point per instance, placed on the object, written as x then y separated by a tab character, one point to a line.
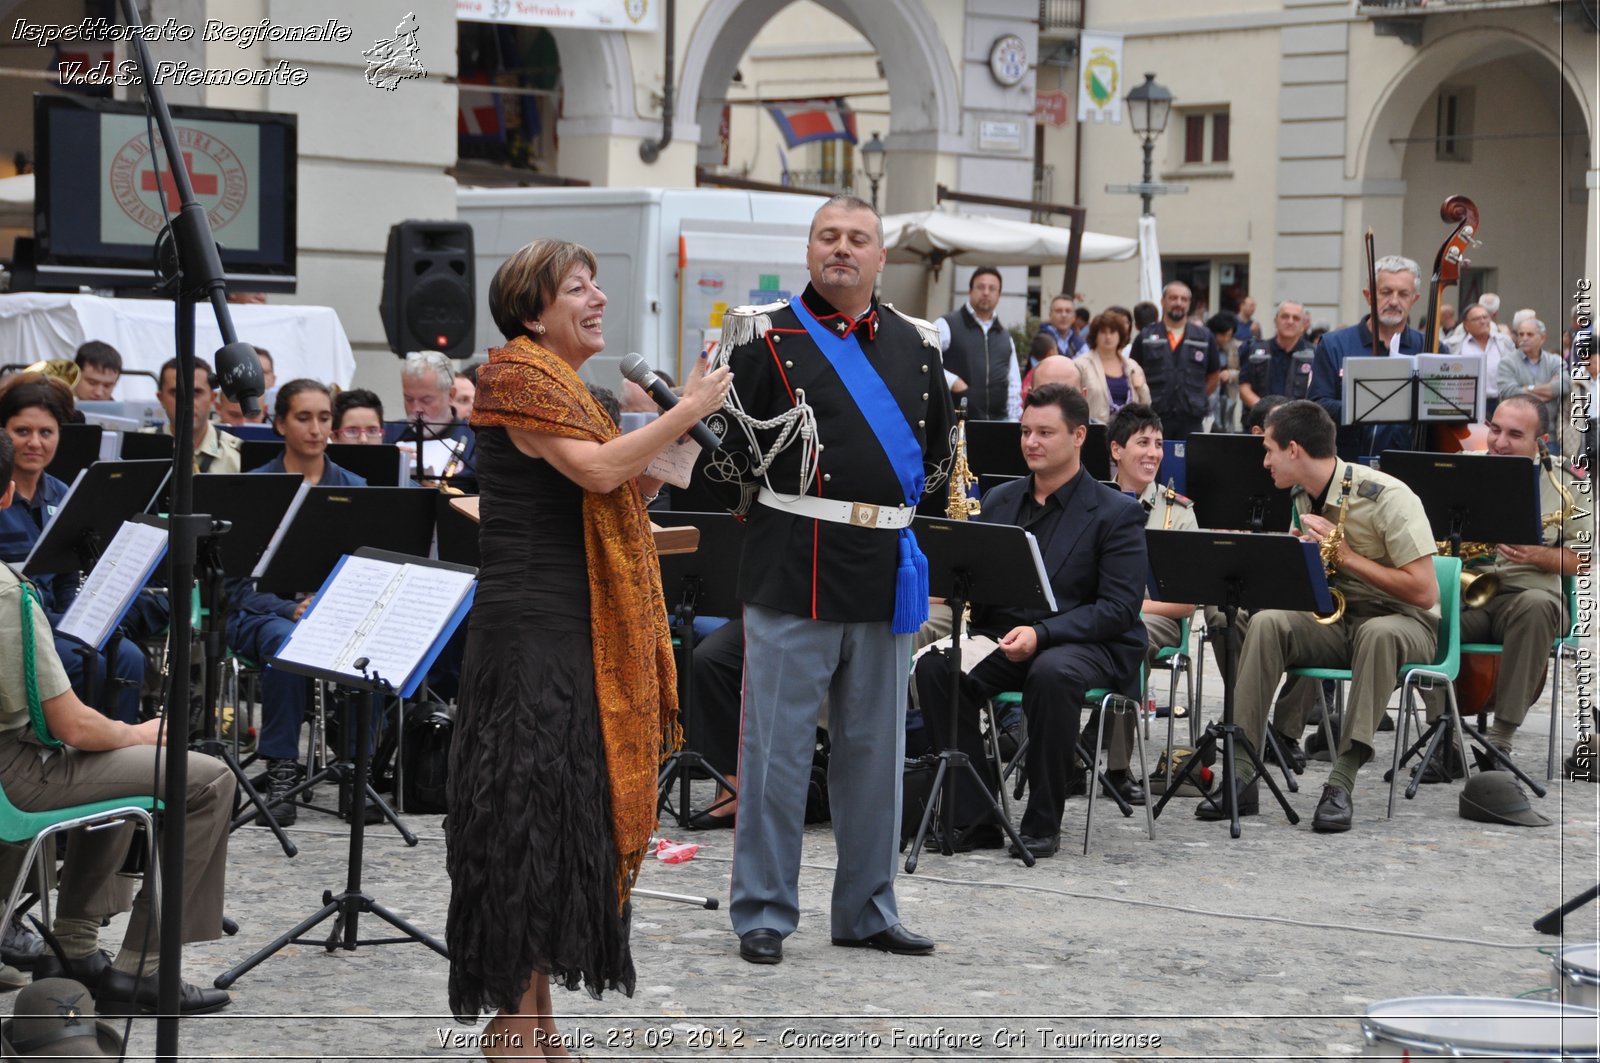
1462	214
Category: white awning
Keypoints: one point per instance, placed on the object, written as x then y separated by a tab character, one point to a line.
936	236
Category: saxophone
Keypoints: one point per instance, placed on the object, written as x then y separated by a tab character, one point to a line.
959	505
1329	552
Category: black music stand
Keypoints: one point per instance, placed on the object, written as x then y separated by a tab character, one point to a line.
1230	486
105	495
1234	570
254	453
330	523
377	463
147	446
347	907
984	564
77	448
1484	498
457	533
703	583
245	511
996	447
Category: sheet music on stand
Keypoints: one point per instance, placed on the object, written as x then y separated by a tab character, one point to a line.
108	593
394	610
1450	387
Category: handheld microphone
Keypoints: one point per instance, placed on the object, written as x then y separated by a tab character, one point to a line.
239	374
635	369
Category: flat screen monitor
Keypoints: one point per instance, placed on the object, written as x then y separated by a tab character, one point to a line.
102	195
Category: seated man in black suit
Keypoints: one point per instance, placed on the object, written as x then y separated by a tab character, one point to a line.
1092	540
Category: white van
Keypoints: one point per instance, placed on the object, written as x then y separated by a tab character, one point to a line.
671	259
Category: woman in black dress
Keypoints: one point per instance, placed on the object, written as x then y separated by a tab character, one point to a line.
568	693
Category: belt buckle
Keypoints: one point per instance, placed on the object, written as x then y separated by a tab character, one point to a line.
863	515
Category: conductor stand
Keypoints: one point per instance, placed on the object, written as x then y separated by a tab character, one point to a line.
1452	489
965	560
1235	571
347	907
396	612
705	579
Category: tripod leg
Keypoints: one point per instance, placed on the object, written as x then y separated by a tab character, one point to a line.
994	809
1230	788
1439	730
935	794
1262	773
1207	744
1498	755
406	928
374	798
227	978
1283	761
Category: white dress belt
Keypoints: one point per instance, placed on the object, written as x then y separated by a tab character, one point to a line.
838	511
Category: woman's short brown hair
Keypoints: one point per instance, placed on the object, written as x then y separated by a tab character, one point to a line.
1108	319
526	282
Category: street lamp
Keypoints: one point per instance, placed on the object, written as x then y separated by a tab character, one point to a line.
872	160
1149	106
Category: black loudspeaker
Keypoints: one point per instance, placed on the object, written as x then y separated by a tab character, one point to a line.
428	297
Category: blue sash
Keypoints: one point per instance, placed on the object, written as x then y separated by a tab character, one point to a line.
900	446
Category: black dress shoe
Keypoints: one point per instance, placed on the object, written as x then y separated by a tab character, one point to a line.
761	946
968	839
83	969
1291	753
1385	722
1123	782
1333	811
1215	806
1041	848
120	993
896	939
707	820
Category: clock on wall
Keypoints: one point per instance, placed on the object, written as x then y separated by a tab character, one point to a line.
1008	59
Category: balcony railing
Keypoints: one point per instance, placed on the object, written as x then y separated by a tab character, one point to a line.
1058	15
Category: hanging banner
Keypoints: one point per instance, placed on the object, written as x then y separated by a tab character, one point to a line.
1100	77
573	14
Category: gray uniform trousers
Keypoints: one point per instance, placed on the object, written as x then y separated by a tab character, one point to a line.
90	886
790	663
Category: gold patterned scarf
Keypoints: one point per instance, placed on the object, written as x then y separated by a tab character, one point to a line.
526	386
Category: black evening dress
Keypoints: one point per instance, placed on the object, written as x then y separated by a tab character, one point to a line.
530	851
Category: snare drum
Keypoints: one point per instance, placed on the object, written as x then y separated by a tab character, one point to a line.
1577	975
1480	1028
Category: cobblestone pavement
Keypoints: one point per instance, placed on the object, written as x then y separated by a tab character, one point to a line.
1193	946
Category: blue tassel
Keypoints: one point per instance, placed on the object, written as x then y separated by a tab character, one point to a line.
910	586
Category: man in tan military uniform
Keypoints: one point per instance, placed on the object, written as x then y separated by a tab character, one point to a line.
100	759
1528	612
214	449
1384	568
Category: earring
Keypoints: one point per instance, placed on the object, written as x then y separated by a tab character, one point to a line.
538	328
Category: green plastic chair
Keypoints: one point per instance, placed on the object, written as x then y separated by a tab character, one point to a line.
34	828
1441	671
1108	701
1563	646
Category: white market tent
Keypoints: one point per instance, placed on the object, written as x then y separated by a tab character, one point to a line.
941	235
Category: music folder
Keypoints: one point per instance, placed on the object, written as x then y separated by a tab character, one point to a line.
108	592
393	611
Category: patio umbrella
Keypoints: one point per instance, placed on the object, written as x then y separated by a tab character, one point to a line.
1149	261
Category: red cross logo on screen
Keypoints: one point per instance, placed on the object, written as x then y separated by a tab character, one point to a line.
205	184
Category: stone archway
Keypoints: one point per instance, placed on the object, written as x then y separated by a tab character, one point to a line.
1535	113
925	105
